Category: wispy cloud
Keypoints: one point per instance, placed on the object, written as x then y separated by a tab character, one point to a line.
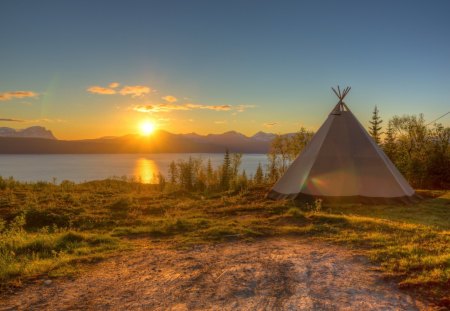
159	108
168	107
17	94
215	107
163	120
242	108
220	122
47	120
170	99
43	120
10	120
132	90
135	90
101	90
270	124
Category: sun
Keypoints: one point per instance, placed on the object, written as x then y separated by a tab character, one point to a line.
147	127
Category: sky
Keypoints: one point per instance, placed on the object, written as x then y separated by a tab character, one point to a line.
87	69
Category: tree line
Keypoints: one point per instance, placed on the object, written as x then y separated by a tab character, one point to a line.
420	151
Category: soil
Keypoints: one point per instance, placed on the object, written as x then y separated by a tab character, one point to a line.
274	274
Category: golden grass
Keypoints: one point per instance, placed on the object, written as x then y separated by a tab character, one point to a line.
53	229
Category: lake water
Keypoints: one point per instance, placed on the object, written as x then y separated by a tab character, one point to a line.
86	167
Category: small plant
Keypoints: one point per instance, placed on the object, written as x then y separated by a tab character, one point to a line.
122	206
295	212
317	205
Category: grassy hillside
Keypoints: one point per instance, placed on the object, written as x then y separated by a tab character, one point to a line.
55	229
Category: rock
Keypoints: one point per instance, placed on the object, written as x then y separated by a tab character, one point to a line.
48	282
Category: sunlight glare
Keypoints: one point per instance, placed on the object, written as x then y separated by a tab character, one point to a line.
147	128
146	171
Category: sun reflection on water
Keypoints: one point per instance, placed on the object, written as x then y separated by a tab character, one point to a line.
146	171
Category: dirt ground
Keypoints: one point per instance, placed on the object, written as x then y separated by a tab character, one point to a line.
276	274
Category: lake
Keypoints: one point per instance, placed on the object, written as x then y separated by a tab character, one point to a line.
86	167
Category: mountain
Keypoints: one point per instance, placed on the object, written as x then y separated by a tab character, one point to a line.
158	142
31	132
232	140
262	136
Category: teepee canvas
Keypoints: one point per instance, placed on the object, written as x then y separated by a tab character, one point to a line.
342	161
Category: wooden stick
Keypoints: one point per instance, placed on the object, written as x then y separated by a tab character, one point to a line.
347	89
335	92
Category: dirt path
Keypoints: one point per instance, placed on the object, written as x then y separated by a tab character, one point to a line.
278	274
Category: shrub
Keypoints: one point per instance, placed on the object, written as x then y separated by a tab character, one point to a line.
37	218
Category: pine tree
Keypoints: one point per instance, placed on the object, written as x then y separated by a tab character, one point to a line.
209	174
375	128
389	145
225	178
259	175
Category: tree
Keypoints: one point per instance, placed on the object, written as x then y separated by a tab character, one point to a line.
298	142
438	166
284	149
173	172
186	174
236	160
225	177
375	128
272	168
412	147
161	182
259	175
209	174
389	145
279	152
242	181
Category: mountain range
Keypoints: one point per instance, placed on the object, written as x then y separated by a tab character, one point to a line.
34	131
38	140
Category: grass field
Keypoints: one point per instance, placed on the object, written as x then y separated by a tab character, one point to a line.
57	230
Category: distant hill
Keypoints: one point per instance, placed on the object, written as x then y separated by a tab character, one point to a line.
158	142
233	141
31	132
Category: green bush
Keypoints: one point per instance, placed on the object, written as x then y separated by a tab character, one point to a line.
37	218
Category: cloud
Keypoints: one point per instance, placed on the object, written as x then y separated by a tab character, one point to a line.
170	98
159	108
241	108
48	120
163	120
220	122
101	90
135	90
33	120
216	107
168	107
270	124
11	120
17	94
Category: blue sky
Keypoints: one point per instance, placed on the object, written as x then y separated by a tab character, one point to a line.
230	65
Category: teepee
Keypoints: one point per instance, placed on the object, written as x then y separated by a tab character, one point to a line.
343	162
